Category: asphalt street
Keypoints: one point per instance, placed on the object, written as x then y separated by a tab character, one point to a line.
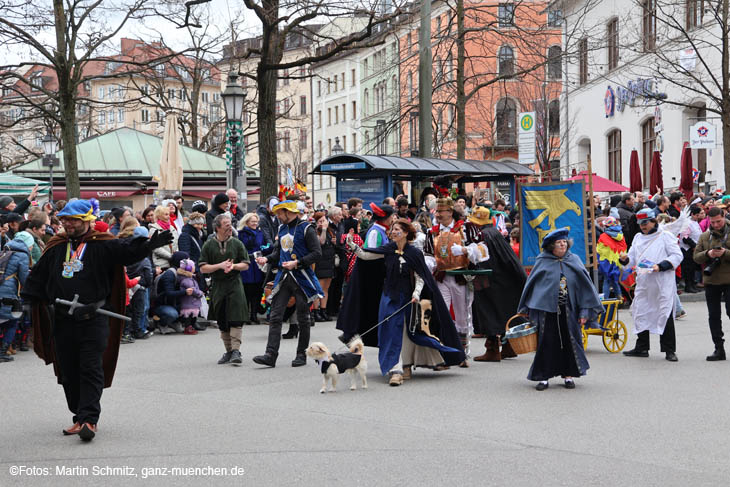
629	422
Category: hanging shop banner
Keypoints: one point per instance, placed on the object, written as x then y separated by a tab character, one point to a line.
545	207
702	135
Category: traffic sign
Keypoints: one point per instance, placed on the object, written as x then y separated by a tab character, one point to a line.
526	137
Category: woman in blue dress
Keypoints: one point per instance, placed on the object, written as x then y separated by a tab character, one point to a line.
403	342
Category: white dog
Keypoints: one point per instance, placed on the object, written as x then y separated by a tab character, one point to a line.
338	363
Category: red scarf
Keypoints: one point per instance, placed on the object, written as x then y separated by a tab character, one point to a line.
165	225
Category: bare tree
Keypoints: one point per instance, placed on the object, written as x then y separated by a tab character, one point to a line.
83	31
278	20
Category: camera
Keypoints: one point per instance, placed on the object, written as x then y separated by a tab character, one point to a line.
713	264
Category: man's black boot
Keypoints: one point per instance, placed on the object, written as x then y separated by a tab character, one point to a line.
636	353
300	360
266	359
717	355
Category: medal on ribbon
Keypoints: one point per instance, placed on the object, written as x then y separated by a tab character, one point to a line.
74	261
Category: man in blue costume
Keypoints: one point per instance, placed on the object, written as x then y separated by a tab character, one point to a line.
296	250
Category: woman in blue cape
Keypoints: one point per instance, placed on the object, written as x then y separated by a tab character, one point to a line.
559	297
403	342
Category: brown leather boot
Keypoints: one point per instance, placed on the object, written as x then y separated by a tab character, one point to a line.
508	351
492	353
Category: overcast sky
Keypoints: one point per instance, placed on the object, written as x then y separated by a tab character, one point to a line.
220	12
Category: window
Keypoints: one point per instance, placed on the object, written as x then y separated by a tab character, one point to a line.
159	115
302	138
145	115
506	61
286	106
353	78
554	68
102	118
171	94
337	115
449	68
354	143
120	115
410	86
319	150
555	17
648	24
36	82
335	85
329	147
381	137
204	97
302	105
319	119
554	118
342	81
319	88
614	156
329	116
366	104
111	116
506	122
612	44
366	149
278	141
365	68
287	141
648	140
101	92
583	61
160	68
344	143
695	10
354	110
344	116
329	85
409	42
506	14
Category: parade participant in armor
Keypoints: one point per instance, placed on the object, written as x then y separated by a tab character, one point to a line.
656	255
84	264
224	257
297	248
403	344
377	234
559	297
454	245
497	295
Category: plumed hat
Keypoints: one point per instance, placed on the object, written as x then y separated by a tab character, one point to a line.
381	212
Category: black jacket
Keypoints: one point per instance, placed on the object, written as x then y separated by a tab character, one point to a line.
190	241
143	270
210	216
21	208
269	226
167	289
624	213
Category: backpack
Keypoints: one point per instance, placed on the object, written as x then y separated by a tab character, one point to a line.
154	293
5	256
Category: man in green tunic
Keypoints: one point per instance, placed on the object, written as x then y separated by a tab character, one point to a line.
224	257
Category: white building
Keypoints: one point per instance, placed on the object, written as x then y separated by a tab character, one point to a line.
625	56
335	115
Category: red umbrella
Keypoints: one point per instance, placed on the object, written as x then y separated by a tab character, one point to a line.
600	185
656	180
686	182
635	172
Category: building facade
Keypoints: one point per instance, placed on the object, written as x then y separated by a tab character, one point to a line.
640	76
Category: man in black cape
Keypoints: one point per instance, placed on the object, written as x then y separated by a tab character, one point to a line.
359	311
495	296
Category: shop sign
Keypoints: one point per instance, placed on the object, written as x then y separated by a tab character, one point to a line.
618	99
702	135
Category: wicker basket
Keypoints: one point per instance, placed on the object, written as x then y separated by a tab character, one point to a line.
522	338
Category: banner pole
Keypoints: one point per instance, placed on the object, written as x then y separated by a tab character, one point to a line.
591	221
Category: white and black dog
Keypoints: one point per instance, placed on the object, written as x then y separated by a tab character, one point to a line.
338	363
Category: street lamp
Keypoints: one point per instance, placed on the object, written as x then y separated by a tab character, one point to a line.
337	149
50	159
234	97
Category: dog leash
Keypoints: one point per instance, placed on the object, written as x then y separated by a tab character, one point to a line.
346	347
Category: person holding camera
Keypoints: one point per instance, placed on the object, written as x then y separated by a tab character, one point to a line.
655	254
712	254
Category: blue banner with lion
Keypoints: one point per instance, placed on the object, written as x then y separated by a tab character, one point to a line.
545	207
